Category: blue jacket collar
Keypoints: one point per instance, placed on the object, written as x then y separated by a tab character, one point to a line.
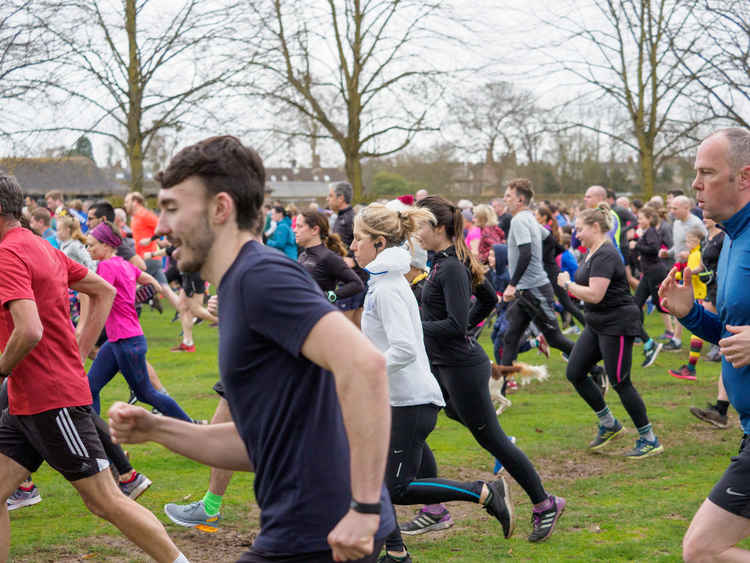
737	223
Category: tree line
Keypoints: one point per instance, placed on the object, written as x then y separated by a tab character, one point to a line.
368	77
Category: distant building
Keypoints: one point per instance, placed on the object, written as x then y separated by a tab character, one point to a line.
75	176
301	184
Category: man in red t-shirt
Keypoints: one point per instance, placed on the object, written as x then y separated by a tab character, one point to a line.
143	224
49	416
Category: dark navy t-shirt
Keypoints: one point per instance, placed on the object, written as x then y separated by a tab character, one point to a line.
285	407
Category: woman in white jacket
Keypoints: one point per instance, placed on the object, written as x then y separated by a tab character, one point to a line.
391	321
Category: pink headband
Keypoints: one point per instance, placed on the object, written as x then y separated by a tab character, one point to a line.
103	233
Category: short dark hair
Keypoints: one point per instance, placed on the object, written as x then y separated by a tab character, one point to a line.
523	187
42	215
223	164
343	189
611	194
11	196
676	192
104	209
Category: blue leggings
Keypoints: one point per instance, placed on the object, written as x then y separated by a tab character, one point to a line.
129	357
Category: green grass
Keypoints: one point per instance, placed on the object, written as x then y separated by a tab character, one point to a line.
618	510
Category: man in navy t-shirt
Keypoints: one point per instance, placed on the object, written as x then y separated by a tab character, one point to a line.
307	391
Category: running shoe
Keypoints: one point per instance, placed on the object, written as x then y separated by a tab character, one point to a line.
572	329
666	336
542	345
191	515
605	435
21	498
644	448
714	354
500	505
176	317
649	355
673	346
683	373
183	348
428	521
512	386
136	486
387	558
564	357
711	415
543	521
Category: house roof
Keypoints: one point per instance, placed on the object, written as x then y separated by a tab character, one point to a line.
300	174
75	175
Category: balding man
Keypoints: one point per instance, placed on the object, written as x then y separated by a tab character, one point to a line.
722	186
679	207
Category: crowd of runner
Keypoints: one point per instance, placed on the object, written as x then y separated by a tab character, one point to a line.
417	279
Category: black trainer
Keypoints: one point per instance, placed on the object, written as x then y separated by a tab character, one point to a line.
388	558
500	505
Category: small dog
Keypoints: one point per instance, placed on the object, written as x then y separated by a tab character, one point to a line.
501	373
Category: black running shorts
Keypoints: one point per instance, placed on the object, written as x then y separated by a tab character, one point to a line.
65	438
192	283
732	492
219	388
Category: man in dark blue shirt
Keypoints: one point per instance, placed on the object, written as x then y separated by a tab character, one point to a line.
311	421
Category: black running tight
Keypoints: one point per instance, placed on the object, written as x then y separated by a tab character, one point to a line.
617	353
411	473
466	391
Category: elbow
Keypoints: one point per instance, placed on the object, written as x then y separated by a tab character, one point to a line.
32	334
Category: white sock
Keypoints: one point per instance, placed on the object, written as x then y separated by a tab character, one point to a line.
181	559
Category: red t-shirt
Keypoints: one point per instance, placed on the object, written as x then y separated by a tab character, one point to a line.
51	376
143	224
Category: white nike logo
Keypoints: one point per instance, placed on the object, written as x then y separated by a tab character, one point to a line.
734	493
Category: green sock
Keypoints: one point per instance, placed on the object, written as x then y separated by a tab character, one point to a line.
212	503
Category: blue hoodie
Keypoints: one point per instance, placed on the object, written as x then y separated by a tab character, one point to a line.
283	238
733	306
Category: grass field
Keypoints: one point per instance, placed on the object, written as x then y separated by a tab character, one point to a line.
618	509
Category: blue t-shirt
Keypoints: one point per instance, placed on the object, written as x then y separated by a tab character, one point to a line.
285	407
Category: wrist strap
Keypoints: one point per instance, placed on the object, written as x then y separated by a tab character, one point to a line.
365	508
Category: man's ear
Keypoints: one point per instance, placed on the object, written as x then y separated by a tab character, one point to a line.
744	178
221	208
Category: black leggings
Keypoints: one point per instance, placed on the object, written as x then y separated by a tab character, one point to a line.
563	298
649	286
467	394
617	352
536	304
114	452
411	473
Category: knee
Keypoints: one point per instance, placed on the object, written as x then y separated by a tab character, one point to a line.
694	550
105	506
571	374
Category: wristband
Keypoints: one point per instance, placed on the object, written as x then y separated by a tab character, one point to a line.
331	296
366	508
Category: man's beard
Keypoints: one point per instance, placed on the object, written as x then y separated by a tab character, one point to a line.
199	247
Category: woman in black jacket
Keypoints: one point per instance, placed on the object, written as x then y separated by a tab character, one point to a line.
322	256
653	271
459	362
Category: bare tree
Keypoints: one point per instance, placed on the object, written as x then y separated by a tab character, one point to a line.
720	63
620	50
135	70
490	117
364	56
26	51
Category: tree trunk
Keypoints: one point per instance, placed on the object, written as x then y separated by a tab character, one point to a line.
354	173
135	98
648	174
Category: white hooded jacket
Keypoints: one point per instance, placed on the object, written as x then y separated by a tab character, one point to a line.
391	321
